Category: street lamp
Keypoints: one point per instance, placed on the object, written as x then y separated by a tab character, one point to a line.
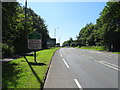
55	32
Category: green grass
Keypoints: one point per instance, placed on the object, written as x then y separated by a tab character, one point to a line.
116	52
100	48
24	72
93	48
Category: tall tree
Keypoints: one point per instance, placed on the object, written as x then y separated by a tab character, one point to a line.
8	26
110	17
14	28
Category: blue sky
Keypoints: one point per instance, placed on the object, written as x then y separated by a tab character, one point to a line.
70	17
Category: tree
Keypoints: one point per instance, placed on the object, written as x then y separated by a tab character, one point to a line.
68	42
8	27
106	31
14	32
86	35
110	19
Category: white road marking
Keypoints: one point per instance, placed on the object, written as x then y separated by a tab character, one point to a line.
60	52
61	55
108	64
111	64
90	57
65	63
87	56
78	84
95	52
83	55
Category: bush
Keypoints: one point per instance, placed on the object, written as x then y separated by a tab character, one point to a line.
7	51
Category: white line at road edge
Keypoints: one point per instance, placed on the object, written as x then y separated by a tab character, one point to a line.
78	84
65	63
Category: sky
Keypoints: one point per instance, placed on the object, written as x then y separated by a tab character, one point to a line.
68	18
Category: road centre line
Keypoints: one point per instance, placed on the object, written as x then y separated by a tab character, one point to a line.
108	65
60	52
65	63
61	55
78	84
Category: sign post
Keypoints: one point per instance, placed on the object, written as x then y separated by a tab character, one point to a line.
35	56
34	42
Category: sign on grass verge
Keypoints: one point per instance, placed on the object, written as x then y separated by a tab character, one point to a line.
34	41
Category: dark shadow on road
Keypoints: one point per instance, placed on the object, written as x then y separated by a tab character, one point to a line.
37	64
38	79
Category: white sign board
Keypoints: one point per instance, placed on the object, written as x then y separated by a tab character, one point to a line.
34	44
34	41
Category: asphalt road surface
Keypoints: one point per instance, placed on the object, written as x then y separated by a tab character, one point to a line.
80	68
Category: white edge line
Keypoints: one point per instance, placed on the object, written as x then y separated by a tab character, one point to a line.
65	63
78	84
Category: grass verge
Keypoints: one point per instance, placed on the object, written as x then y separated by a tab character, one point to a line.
93	48
100	48
24	72
116	52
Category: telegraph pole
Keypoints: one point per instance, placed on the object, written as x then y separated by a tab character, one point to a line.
25	41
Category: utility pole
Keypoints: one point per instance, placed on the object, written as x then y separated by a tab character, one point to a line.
25	41
25	16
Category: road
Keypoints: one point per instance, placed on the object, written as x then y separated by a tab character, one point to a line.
80	68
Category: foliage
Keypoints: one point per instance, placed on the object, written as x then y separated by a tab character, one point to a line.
100	48
106	31
87	35
68	42
110	17
14	33
8	51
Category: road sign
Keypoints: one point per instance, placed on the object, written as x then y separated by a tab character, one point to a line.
34	41
51	42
